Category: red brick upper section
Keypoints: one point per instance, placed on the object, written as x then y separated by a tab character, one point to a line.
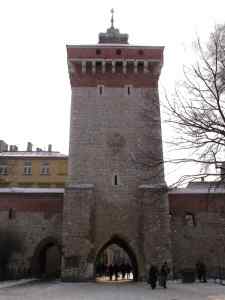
50	203
132	56
110	52
53	202
196	203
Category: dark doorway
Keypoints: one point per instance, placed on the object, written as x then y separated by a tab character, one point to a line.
46	262
116	262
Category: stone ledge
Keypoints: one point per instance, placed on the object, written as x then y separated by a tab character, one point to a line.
160	186
84	186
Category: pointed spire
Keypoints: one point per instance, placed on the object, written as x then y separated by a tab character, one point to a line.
112	18
113	35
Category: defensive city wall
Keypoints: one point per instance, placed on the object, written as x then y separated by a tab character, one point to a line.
115	192
197	220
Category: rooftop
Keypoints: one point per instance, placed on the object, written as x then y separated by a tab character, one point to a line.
207	187
32	154
17	190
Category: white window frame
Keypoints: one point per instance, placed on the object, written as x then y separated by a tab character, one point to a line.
3	170
44	168
27	169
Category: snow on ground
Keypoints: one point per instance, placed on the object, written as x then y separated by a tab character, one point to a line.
57	290
10	283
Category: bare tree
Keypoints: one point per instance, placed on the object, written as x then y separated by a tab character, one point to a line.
197	109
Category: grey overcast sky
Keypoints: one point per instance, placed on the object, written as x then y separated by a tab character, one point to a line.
34	83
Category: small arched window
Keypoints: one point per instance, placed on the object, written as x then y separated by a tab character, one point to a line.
12	214
128	90
189	219
118	51
115	180
100	89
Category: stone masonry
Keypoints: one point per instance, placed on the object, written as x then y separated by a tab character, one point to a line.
116	190
115	193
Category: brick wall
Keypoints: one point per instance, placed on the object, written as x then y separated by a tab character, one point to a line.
197	230
34	218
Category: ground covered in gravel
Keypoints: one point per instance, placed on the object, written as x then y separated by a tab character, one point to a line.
106	291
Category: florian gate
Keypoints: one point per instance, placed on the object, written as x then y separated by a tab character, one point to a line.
116	191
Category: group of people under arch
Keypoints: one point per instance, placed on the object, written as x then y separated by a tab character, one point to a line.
115	271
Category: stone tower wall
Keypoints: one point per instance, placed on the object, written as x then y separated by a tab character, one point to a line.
116	189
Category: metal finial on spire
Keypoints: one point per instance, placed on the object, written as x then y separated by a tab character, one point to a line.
113	35
112	18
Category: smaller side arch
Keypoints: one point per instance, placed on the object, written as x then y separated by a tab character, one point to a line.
39	259
122	243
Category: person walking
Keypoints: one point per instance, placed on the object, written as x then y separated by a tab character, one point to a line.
116	271
203	267
152	276
164	271
123	270
201	271
111	271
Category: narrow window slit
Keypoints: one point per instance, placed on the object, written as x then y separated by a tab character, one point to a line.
100	90
115	180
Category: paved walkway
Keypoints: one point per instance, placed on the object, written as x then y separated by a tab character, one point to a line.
108	291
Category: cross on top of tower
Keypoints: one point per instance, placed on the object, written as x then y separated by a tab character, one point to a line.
113	35
112	18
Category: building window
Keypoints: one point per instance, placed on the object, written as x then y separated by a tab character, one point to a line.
189	219
118	51
140	52
115	180
44	168
3	169
27	168
12	214
100	89
128	90
98	51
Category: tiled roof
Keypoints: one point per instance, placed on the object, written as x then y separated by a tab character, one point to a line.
207	187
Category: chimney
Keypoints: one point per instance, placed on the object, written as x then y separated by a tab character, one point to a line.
13	148
29	147
49	148
3	146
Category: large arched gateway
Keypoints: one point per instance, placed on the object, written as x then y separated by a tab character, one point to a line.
122	257
46	261
116	178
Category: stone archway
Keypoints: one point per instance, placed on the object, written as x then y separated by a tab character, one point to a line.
46	261
120	242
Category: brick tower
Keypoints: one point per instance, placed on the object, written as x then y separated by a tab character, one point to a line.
116	191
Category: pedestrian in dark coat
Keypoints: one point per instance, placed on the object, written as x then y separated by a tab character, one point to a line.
152	276
116	271
128	270
123	270
201	271
111	271
164	271
203	267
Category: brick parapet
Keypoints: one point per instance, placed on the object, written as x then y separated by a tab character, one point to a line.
110	52
32	202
